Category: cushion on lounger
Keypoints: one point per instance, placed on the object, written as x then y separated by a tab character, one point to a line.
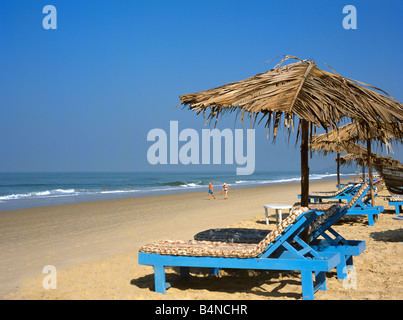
396	198
322	206
220	249
319	220
357	195
232	235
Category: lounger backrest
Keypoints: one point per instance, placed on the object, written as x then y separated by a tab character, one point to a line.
280	228
396	198
353	201
319	220
345	188
333	210
330	216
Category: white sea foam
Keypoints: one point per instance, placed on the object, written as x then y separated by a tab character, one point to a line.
39	194
314	176
190	185
115	191
64	190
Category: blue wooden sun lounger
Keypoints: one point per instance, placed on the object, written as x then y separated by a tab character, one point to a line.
318	231
362	205
281	249
330	240
396	201
345	193
323	238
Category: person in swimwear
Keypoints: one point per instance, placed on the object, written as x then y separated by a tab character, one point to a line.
210	191
225	189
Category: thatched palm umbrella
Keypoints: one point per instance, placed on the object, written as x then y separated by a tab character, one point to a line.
328	142
340	141
362	159
360	156
389	169
301	89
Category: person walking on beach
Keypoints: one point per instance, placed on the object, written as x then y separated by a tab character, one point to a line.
225	189
210	191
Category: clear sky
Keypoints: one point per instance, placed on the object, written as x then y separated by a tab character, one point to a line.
84	96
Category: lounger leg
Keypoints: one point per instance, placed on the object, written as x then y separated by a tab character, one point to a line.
159	279
349	263
370	219
320	282
397	210
342	268
184	273
214	271
307	285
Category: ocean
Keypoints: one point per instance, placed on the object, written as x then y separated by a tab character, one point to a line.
26	190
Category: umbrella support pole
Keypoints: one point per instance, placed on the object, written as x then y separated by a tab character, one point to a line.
338	171
304	171
371	184
304	163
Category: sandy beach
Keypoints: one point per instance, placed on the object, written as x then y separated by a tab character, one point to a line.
94	248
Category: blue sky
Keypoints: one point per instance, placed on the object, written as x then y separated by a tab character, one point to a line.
84	96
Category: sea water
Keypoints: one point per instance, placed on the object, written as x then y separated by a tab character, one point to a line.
25	190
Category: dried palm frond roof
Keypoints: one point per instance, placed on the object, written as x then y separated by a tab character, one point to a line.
298	89
339	140
362	160
336	147
359	154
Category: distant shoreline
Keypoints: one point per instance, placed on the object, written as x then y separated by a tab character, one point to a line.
33	202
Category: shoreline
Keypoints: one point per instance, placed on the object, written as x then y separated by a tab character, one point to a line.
9	205
94	245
